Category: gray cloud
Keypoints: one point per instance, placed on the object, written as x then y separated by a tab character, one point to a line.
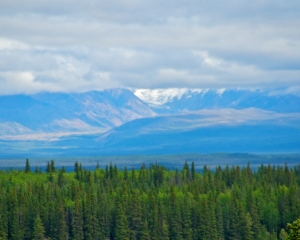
79	46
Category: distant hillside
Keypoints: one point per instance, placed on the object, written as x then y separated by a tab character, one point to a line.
169	121
209	131
77	112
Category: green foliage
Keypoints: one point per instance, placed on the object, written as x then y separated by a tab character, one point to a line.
38	229
294	230
150	203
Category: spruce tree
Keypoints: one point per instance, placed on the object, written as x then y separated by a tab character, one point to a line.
52	166
145	234
77	171
62	233
164	231
193	171
135	217
13	227
91	230
155	221
77	223
237	220
48	168
121	223
60	178
3	229
38	229
27	166
248	233
176	218
187	231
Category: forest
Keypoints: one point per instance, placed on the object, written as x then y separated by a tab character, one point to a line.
149	202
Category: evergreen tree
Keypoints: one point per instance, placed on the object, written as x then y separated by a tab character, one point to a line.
62	227
3	229
155	221
48	168
248	233
60	178
121	223
91	230
193	171
220	221
125	173
52	166
208	224
135	216
164	232
27	166
187	230
145	234
176	218
237	221
77	172
13	227
38	229
77	223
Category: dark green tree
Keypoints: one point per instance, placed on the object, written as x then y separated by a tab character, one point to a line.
121	223
77	223
145	234
3	229
135	217
52	166
27	166
13	226
187	231
60	178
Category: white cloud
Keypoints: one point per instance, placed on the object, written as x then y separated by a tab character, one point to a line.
8	44
76	46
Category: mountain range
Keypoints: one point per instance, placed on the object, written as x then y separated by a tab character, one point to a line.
172	101
157	121
59	113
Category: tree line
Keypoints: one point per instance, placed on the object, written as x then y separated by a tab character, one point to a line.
151	202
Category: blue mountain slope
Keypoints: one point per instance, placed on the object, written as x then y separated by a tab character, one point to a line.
207	132
51	112
116	121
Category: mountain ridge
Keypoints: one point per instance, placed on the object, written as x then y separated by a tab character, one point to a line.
172	101
76	112
102	122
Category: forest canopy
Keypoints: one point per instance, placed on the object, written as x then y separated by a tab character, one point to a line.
152	202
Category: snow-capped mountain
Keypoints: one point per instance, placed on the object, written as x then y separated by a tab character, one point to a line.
158	121
170	101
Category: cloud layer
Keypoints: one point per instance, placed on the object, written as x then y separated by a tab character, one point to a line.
79	46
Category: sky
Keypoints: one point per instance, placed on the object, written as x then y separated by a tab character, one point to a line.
75	46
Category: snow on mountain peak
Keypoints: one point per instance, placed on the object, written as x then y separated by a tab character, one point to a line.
221	91
162	96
